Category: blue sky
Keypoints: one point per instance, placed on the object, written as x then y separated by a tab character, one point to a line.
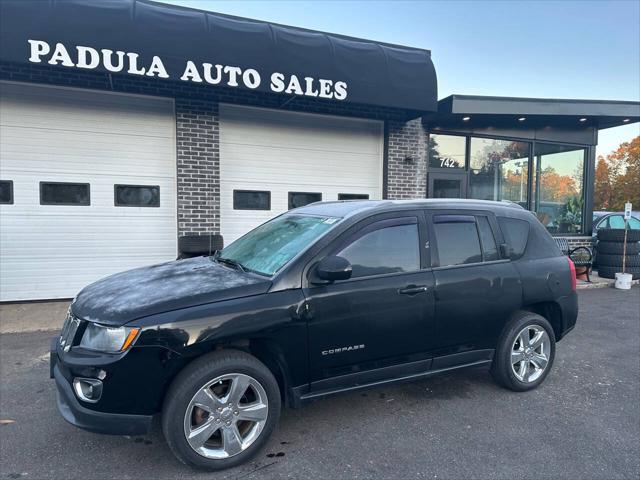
553	49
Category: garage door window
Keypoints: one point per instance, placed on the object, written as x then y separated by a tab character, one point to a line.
59	193
136	195
353	196
6	192
251	200
300	199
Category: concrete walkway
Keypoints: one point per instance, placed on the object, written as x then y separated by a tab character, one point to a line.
32	316
599	282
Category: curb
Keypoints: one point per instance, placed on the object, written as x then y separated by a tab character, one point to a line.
611	284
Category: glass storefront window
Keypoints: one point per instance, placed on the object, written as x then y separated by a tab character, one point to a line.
498	170
559	193
447	151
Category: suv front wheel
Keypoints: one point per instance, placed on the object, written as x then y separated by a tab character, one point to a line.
525	352
220	410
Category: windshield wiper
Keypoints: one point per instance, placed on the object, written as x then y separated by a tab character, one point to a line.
229	261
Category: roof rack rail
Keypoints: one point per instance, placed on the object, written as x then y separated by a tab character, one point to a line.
511	203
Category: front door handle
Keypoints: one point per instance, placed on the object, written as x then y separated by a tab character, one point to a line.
413	289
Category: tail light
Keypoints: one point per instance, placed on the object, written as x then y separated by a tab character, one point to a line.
572	271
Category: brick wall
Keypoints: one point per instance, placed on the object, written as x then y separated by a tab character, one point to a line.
198	158
406	160
197	127
585	241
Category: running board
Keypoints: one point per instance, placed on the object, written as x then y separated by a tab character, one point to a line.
309	396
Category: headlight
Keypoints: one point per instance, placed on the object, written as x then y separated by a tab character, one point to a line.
108	339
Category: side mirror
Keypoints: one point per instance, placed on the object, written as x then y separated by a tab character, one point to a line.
505	250
333	268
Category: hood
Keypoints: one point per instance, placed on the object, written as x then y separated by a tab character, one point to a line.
133	294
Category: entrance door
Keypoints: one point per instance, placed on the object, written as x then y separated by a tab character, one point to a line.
447	185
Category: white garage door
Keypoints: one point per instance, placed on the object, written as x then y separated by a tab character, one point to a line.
64	151
268	155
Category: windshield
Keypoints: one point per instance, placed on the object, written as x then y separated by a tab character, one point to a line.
266	249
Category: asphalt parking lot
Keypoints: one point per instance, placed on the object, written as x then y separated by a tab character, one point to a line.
584	422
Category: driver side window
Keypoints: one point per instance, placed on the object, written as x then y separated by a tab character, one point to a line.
385	250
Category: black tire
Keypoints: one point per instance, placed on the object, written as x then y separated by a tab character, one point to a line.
501	368
193	378
617	235
606	260
610	272
616	248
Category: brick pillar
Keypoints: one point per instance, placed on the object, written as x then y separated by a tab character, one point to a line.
406	160
198	157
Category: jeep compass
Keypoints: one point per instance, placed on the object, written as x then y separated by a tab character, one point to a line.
327	298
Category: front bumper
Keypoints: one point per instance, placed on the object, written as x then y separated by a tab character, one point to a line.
94	421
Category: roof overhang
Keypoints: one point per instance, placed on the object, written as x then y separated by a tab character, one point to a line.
460	111
327	67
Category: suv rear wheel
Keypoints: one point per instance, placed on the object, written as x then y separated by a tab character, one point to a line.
525	352
220	410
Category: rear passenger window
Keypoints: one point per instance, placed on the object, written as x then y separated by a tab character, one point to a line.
457	239
616	221
516	233
489	247
387	250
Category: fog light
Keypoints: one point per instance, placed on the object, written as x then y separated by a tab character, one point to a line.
87	389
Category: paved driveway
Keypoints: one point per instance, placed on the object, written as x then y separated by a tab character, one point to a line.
584	422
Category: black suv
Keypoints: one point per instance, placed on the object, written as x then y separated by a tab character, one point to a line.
326	298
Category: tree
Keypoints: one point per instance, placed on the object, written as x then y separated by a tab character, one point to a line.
618	178
556	187
602	193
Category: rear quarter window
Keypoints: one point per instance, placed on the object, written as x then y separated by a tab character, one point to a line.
516	234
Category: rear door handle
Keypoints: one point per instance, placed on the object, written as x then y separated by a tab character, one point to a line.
413	289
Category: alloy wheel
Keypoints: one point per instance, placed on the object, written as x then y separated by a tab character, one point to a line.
530	353
226	416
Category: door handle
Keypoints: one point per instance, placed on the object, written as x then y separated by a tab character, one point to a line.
413	289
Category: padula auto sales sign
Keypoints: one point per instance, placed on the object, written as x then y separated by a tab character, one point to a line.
89	58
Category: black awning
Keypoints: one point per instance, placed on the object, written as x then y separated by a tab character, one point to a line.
371	73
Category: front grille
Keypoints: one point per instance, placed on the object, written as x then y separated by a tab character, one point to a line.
69	330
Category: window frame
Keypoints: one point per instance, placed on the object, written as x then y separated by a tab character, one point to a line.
233	200
533	168
467	144
354	232
115	195
587	184
11	193
290	207
44	182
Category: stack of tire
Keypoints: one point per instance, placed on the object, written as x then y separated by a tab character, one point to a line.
610	250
